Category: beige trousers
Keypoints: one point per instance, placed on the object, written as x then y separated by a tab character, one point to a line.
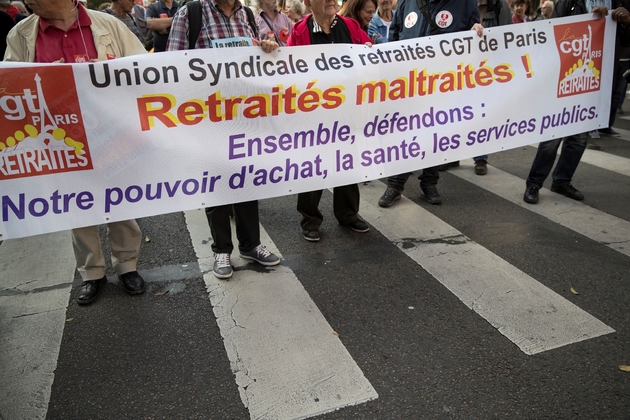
124	239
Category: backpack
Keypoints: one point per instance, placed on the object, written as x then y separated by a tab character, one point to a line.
194	22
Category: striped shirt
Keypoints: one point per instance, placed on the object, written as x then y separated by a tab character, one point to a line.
215	24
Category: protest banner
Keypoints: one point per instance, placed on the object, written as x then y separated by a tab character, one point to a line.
86	144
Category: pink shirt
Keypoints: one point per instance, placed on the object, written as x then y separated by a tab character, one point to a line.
76	45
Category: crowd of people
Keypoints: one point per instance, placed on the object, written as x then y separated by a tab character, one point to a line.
67	31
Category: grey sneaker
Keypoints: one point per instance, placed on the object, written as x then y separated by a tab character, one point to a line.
261	255
222	268
389	197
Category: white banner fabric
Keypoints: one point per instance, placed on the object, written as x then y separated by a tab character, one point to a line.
86	144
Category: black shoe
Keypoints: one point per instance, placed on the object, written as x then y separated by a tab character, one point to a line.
531	195
609	132
311	235
446	166
593	146
431	194
89	290
132	282
567	190
358	226
481	167
389	196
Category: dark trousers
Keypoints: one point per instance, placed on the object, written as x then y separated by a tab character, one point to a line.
247	227
345	206
430	176
618	89
572	151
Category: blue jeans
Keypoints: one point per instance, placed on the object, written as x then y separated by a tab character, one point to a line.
572	151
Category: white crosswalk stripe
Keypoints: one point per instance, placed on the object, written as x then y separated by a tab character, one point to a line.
33	300
535	318
286	358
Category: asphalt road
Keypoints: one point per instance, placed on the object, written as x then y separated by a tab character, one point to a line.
394	331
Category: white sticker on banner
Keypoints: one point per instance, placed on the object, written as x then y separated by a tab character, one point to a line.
444	19
411	19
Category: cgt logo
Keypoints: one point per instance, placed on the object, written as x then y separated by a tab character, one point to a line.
580	46
41	130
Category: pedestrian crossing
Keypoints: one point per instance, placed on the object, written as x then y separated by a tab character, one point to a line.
286	358
608	230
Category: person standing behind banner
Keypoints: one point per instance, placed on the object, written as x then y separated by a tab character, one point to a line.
6	24
159	20
121	9
492	13
378	29
272	23
140	17
227	20
416	19
324	26
295	10
521	11
64	31
572	146
361	10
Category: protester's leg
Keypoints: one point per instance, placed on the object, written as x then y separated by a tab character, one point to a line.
572	151
395	187
346	203
90	263
307	205
430	176
247	225
397	182
428	184
248	234
543	162
124	239
619	84
219	221
88	254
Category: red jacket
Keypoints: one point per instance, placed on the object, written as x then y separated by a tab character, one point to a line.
301	35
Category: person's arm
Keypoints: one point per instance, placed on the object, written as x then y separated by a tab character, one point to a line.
622	17
397	22
159	24
178	37
16	47
155	22
374	33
